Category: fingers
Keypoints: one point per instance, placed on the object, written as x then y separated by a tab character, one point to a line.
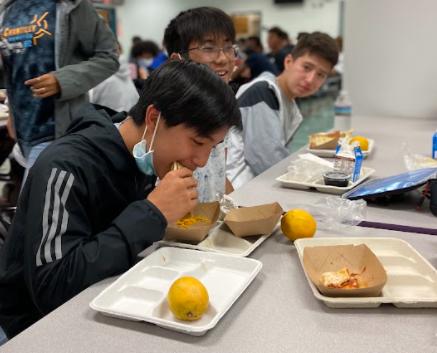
193	194
38	90
189	182
40	84
45	94
32	81
43	86
183	172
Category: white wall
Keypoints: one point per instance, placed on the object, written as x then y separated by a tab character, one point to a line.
391	57
148	18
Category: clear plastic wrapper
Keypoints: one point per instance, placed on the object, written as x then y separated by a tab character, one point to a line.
333	212
226	204
303	170
416	161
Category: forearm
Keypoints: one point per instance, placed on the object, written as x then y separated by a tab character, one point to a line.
93	258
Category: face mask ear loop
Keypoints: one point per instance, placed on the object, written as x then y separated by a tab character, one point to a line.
144	133
154	132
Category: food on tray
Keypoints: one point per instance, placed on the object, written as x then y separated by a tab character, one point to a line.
323	138
186	222
343	279
338	179
364	143
188	298
298	224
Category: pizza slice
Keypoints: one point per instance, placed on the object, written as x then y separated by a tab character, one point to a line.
320	139
343	279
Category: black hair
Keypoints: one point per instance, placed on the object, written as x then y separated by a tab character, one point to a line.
194	24
279	32
300	35
190	93
146	46
319	44
256	40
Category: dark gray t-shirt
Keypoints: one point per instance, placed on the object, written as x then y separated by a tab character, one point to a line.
27	46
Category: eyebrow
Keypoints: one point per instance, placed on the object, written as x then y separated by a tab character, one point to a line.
211	40
312	65
205	137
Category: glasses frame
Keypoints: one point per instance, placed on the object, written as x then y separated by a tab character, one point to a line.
202	48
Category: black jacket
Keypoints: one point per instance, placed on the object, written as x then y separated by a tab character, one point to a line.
82	217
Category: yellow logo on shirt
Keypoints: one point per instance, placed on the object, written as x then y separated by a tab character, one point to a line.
37	26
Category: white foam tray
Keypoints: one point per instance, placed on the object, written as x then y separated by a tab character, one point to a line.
319	184
141	293
221	240
412	280
331	153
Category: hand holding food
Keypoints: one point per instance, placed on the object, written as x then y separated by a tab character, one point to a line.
175	195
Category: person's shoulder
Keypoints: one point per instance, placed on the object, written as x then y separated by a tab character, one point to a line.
257	93
69	154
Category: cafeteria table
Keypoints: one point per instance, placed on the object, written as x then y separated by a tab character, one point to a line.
277	313
387	160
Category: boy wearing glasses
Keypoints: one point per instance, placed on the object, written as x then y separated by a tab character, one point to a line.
268	110
206	35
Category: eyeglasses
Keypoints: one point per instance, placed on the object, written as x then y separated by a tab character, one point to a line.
212	53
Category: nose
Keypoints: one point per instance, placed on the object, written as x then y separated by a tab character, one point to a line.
310	77
222	58
201	159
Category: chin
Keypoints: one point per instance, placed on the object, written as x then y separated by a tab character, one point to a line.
305	94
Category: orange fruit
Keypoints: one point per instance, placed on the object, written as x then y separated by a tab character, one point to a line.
298	224
188	298
364	143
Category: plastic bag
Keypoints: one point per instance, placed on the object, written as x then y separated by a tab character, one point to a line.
416	161
332	212
226	204
303	170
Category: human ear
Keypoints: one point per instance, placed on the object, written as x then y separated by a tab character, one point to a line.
176	56
152	115
288	61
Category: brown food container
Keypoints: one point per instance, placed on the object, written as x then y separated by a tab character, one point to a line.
357	258
196	232
257	220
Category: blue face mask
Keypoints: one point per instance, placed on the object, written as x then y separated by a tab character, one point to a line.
143	158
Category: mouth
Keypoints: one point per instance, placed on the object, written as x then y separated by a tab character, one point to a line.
222	73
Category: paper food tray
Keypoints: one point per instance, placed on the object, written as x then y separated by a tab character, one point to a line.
319	184
412	280
141	293
221	240
331	153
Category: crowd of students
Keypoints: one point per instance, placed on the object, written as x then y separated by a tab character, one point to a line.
92	200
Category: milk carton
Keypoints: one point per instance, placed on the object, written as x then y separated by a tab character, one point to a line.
349	159
358	160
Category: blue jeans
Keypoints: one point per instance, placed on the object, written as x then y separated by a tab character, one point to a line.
3	338
31	154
